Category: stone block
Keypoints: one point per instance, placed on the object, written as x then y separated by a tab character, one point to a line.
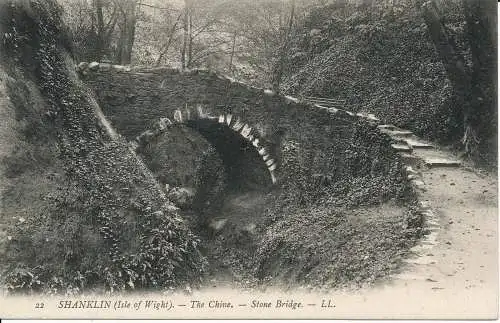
94	66
82	66
398	133
417	144
441	162
401	148
105	67
217	224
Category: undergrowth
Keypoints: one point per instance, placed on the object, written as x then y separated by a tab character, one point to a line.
106	225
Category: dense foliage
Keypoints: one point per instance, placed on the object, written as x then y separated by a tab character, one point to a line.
382	59
102	197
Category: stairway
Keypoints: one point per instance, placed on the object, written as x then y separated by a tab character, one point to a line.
416	152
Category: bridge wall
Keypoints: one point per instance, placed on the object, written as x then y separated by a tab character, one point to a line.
320	143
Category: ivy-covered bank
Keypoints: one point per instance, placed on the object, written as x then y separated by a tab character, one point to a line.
84	211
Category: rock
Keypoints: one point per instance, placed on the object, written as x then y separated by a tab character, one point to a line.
250	228
94	66
217	224
105	67
291	99
396	133
418	183
181	196
82	66
410	170
118	68
401	147
372	117
418	144
314	32
424	204
435	162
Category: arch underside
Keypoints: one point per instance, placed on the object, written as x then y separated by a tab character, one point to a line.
221	131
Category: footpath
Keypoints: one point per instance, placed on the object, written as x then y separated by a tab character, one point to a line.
454	271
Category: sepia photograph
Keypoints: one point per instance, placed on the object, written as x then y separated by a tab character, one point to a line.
248	159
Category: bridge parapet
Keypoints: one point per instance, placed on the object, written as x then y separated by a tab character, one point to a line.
140	102
332	105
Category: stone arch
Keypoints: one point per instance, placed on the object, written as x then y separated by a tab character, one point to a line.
233	122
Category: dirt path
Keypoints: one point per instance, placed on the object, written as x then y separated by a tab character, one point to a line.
455	271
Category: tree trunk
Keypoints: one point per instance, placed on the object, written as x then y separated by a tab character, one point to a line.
190	38
165	48
131	32
127	32
278	74
232	54
453	62
480	17
474	88
185	37
99	48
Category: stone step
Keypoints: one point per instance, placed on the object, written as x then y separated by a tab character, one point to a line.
411	171
368	116
397	133
400	141
401	147
401	133
418	183
441	162
417	144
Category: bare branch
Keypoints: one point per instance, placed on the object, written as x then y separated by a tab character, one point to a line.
159	8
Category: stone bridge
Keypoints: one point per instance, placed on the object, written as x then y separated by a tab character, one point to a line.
233	116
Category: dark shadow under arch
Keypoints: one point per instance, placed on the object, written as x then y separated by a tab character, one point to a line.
247	160
244	166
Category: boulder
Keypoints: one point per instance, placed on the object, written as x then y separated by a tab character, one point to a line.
217	224
250	228
181	196
94	66
82	66
105	67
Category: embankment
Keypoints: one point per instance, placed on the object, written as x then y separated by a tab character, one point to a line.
79	209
